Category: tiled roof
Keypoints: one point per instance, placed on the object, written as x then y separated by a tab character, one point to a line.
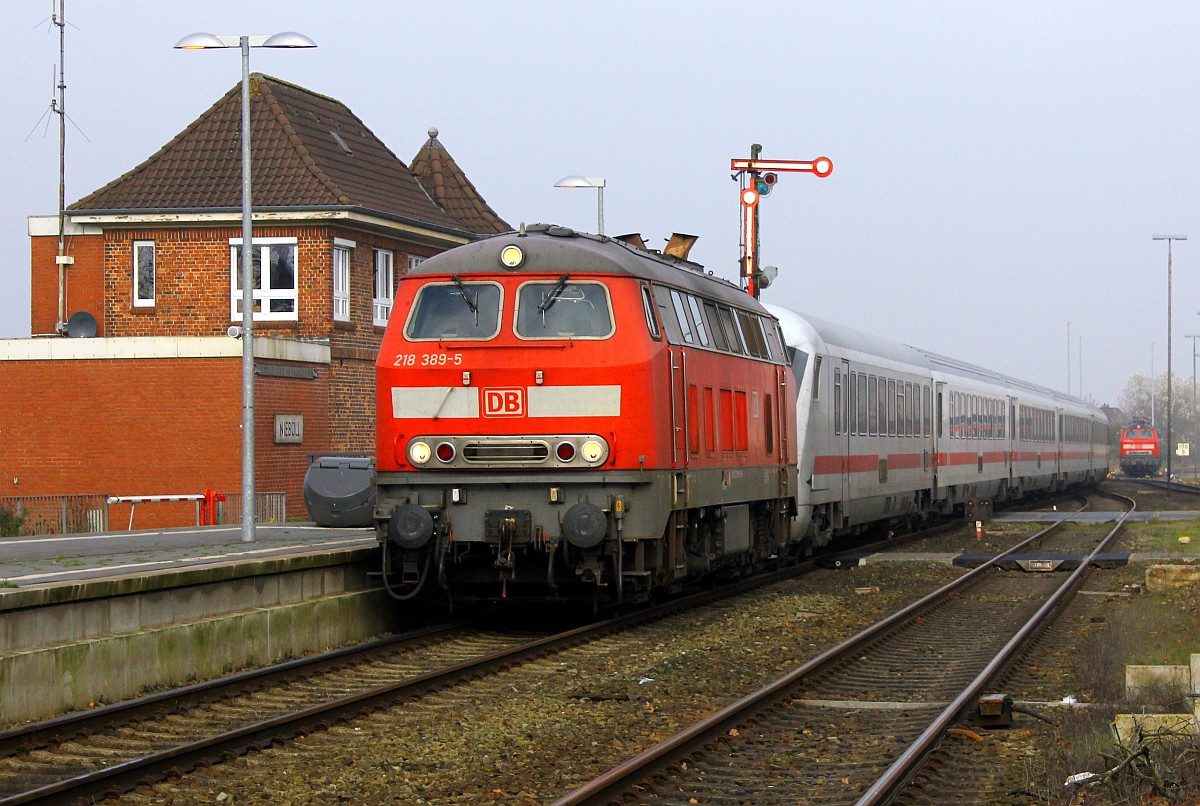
440	175
308	151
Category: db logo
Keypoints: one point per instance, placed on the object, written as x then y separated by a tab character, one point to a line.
504	402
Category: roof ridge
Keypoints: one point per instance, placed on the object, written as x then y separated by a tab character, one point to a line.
293	137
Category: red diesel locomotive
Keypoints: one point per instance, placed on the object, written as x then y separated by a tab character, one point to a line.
1139	449
564	416
535	423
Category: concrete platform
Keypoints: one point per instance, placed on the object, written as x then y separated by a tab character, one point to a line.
29	561
87	619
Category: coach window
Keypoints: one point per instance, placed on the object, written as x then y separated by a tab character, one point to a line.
274	291
755	344
563	309
872	405
837	400
681	314
651	320
925	410
892	408
698	321
733	334
852	411
455	310
143	274
714	324
862	404
774	338
817	378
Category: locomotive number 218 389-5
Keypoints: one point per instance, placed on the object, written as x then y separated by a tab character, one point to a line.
428	360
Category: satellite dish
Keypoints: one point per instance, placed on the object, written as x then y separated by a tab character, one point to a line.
81	325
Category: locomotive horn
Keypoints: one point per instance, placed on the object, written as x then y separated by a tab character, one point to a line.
585	525
410	526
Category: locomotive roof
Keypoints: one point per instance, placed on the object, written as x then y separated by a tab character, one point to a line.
551	249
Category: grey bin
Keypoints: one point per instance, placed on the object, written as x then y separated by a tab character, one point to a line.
338	491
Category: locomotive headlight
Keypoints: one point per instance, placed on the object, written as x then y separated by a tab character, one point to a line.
419	453
512	256
592	451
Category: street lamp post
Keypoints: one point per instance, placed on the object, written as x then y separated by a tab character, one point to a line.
1168	239
203	41
1194	441
588	182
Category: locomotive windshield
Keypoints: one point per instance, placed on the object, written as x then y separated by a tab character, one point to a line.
563	309
455	310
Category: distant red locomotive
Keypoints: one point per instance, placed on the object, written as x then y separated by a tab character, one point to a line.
1139	449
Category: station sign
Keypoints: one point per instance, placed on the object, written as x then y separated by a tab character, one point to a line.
289	429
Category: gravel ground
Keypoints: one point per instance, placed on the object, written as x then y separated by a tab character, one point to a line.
530	734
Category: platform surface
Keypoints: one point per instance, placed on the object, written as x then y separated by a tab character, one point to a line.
30	561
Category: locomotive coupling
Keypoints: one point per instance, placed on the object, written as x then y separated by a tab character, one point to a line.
585	525
410	526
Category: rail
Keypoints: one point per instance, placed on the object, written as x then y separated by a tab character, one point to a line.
617	782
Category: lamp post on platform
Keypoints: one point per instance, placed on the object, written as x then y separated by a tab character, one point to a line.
588	182
1169	446
203	41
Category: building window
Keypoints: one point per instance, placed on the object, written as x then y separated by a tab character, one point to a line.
275	296
341	279
143	274
384	285
414	261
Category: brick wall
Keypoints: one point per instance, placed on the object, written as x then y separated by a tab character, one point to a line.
84	280
164	426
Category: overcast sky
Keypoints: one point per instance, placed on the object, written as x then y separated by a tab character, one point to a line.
1000	167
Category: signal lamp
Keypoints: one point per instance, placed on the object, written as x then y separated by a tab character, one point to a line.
565	451
445	452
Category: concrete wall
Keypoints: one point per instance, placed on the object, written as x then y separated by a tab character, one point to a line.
68	647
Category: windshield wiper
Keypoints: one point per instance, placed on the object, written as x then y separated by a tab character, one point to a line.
552	297
467	298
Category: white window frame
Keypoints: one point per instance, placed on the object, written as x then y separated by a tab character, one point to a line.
341	279
414	261
138	300
264	296
381	304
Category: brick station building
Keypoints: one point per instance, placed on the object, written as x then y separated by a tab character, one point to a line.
152	404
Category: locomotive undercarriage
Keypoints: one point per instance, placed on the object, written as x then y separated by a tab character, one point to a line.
596	539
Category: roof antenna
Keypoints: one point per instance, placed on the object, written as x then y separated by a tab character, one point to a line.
59	17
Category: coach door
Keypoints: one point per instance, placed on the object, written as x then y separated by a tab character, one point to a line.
845	407
939	459
679	403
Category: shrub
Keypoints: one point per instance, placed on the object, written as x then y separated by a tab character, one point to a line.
10	522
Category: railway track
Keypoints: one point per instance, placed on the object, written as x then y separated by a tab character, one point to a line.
87	756
861	719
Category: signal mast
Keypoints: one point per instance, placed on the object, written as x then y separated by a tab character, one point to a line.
756	179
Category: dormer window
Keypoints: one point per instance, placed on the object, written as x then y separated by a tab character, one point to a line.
275	295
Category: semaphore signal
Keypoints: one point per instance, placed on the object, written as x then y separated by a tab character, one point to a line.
757	178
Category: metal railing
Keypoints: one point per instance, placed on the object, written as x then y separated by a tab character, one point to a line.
268	508
80	514
59	514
